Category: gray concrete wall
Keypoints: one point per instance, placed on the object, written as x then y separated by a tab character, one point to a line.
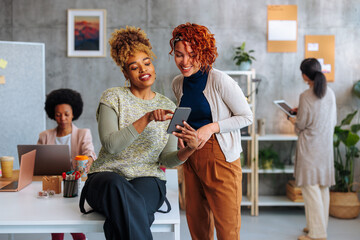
232	22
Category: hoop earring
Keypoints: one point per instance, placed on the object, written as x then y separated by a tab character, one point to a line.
127	83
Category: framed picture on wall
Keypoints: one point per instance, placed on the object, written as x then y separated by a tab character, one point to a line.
86	33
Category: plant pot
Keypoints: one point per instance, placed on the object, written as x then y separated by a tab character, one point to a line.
244	66
267	164
344	205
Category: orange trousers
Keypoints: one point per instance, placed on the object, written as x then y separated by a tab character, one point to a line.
213	194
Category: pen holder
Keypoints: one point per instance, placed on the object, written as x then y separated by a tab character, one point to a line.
71	188
52	183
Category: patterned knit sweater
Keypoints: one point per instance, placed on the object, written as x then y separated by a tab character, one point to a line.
141	157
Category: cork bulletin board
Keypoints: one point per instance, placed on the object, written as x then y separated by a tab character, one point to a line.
282	28
322	47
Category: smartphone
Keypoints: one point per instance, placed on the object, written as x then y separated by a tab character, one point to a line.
181	114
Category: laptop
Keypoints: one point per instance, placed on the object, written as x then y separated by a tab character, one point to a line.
25	174
50	159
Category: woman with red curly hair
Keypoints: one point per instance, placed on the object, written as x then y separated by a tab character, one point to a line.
213	173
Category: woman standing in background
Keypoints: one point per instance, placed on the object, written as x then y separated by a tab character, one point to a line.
213	173
314	164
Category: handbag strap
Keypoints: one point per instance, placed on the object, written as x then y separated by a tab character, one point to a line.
163	193
82	199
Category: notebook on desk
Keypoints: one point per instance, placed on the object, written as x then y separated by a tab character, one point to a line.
50	159
25	174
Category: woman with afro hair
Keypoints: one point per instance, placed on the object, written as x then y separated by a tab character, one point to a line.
213	173
126	183
64	106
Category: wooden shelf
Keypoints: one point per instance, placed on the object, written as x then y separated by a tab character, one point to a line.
253	151
245	201
249	198
246	169
287	169
246	138
238	73
278	137
272	200
277	201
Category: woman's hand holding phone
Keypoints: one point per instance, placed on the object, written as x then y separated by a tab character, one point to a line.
294	111
188	135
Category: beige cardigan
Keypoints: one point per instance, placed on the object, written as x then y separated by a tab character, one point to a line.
229	109
81	141
315	122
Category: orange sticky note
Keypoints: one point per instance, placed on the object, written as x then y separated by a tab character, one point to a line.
2	79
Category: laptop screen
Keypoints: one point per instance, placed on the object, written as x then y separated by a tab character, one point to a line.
50	159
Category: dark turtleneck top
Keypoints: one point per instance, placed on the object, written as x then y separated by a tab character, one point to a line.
194	98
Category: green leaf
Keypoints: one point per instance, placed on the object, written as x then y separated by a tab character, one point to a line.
243	56
336	140
351	139
354	151
338	166
344	172
343	134
347	120
243	46
355	128
337	129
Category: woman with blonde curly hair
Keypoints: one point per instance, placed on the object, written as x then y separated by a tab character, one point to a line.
126	183
219	110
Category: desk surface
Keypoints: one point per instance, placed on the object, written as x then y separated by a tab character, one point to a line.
16	176
24	212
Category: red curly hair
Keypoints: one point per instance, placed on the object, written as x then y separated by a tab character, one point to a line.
201	41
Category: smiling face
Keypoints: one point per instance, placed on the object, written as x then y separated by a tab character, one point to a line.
64	116
185	59
140	71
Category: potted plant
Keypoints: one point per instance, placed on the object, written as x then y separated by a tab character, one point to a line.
269	159
242	58
344	202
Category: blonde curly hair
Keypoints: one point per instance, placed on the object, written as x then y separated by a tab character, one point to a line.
126	42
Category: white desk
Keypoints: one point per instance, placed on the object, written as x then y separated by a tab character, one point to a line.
24	212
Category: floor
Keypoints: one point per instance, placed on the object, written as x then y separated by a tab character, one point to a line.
272	224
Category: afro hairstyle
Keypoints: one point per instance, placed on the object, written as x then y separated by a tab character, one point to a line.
64	96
